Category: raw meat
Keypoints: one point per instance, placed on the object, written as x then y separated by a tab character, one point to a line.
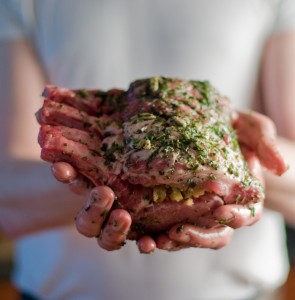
165	146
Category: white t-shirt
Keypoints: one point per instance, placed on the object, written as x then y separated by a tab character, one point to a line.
109	43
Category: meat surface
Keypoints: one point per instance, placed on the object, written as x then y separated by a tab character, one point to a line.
165	146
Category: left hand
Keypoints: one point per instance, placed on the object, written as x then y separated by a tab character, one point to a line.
257	139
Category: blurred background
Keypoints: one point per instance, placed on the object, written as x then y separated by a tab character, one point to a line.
8	292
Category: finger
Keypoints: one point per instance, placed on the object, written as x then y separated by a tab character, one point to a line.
90	219
193	236
63	172
165	243
66	173
236	216
258	133
80	185
253	162
146	244
270	156
115	232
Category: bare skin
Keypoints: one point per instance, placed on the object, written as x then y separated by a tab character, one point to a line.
29	195
90	220
34	208
277	101
93	220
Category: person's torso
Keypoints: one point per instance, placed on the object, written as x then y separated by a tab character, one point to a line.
105	44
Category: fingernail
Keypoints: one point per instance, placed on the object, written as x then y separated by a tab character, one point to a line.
63	172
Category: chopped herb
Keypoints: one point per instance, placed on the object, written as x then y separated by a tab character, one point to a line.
83	93
180	229
154	84
113	148
99	94
191	183
238	198
212	177
252	211
94	152
138	227
223	221
115	223
121	244
104	213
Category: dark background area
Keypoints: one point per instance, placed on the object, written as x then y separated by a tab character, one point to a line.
291	245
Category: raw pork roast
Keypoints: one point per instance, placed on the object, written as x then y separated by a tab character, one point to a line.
165	146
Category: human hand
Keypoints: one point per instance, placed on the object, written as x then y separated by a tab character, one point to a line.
257	138
111	227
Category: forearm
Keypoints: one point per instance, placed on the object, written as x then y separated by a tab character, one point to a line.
30	198
278	89
280	191
278	95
